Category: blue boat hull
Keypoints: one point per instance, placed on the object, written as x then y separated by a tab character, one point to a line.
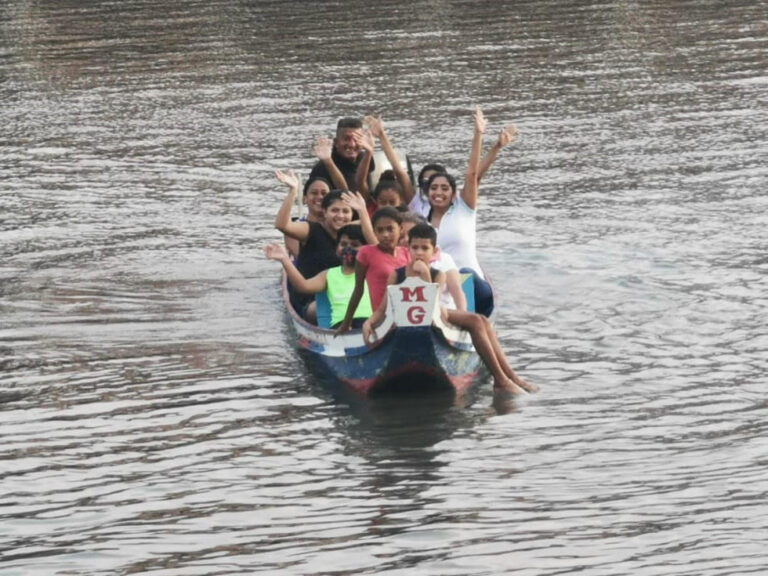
428	356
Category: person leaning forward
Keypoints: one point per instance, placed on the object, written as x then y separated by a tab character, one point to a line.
346	155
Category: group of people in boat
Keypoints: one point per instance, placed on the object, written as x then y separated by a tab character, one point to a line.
354	241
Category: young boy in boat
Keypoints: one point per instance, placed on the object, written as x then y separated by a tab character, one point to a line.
452	295
337	282
422	245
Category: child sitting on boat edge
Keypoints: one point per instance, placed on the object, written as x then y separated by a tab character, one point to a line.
422	245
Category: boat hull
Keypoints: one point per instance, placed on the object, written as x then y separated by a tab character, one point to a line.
410	359
416	352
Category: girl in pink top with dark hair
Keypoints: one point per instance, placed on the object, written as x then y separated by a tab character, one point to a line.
374	263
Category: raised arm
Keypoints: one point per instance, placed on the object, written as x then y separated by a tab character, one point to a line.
305	285
323	149
469	192
376	125
355	201
297	230
506	135
365	141
357	295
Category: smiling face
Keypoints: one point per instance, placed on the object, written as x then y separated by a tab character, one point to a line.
314	198
387	232
440	192
337	215
346	143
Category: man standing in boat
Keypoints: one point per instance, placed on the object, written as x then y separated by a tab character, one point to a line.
345	157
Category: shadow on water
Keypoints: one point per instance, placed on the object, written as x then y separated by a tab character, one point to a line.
414	401
412	411
405	416
406	422
400	435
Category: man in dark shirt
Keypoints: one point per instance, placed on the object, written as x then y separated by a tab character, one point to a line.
346	153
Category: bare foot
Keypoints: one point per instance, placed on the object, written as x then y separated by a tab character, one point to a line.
525	384
507	385
519	381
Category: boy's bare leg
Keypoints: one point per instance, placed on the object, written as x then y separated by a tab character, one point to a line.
475	325
502	359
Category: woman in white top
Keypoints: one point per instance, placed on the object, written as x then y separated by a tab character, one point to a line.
455	216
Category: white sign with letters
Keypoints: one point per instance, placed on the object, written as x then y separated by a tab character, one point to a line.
412	302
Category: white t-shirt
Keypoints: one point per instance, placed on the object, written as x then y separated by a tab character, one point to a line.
457	235
419	205
444	263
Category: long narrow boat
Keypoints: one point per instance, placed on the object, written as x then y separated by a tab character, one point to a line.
415	348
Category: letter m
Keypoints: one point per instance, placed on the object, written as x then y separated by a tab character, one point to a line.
416	293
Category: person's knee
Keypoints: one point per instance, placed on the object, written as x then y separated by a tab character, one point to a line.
310	313
476	322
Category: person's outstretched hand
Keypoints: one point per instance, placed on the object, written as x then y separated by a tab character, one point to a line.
507	135
323	148
289	178
480	121
276	251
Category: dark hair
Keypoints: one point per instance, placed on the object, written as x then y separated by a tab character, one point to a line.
386	212
429	168
387	174
349	122
387	185
423	230
351	231
451	180
331	197
311	181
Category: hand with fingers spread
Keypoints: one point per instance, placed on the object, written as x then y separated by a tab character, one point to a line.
375	125
365	141
323	148
355	201
276	251
289	178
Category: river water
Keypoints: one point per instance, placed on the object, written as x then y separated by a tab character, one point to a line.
154	416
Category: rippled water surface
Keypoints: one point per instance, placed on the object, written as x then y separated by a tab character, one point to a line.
154	416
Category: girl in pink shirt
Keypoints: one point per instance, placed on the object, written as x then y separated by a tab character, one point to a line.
374	263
